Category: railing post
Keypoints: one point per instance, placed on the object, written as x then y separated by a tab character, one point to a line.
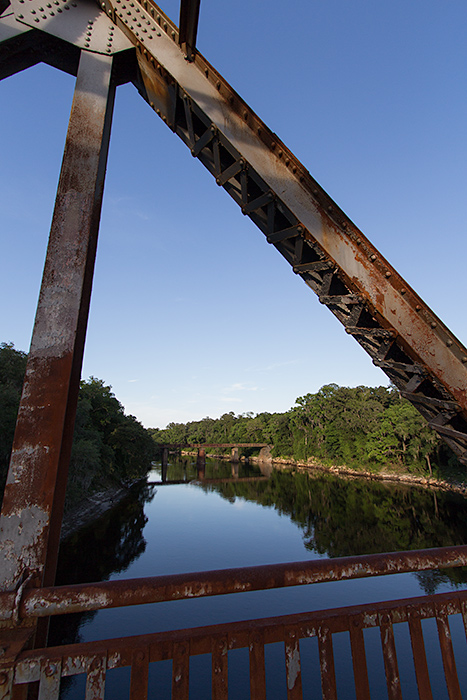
32	510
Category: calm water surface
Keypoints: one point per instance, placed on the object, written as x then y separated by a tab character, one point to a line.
226	521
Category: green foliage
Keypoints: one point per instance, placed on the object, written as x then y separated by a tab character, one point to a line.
12	369
108	447
361	427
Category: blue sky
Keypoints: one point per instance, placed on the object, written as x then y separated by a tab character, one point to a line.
193	313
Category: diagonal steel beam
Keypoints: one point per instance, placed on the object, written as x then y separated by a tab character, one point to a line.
35	491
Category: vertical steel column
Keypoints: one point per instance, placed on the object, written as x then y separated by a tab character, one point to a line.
35	491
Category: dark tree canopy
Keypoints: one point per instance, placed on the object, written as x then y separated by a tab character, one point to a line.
109	447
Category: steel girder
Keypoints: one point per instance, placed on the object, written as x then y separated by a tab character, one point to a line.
374	303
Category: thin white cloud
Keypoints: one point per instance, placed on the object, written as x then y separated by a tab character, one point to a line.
239	386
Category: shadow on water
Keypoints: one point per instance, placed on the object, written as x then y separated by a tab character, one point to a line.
107	546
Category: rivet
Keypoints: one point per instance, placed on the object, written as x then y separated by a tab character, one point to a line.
138	24
403	291
158	112
315	192
52	14
464	359
330	209
294	169
86	43
59	9
280	154
21	16
108	50
388	274
109	45
36	19
33	12
449	343
152	104
373	257
299	229
418	307
433	324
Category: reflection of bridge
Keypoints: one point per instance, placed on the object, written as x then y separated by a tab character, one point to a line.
106	44
201	453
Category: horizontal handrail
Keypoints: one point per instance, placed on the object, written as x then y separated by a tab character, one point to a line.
75	598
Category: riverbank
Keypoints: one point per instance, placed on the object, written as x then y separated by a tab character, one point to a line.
91	509
313	465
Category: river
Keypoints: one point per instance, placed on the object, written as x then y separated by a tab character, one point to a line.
247	519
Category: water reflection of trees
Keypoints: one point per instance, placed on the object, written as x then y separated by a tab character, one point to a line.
341	517
107	546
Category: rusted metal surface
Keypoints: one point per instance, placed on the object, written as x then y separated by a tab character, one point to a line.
189	17
110	594
35	490
376	306
94	658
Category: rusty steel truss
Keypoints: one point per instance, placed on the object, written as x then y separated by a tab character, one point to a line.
105	45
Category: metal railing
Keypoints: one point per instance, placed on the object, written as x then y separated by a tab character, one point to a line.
138	653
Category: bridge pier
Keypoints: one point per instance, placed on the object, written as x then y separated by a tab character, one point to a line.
234	454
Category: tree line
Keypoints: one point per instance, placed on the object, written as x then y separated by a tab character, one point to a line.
109	447
361	427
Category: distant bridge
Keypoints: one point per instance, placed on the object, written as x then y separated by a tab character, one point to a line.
201	447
